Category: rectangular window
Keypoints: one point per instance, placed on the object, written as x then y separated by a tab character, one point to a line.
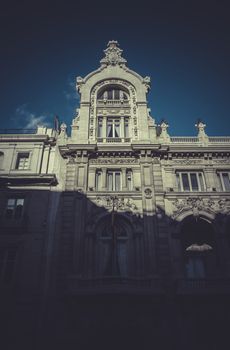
190	181
126	127
99	127
129	180
98	184
7	263
113	180
14	209
22	162
113	127
225	181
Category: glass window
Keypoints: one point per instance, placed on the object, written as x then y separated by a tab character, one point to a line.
190	181
22	161
114	180
129	180
98	184
100	126
113	127
113	93
14	209
225	181
126	127
185	182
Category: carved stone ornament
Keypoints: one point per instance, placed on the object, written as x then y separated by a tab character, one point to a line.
187	161
119	203
148	193
113	55
197	204
114	161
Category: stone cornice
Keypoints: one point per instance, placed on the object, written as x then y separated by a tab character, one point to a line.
28	179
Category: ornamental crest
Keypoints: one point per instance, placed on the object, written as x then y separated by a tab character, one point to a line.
113	55
116	203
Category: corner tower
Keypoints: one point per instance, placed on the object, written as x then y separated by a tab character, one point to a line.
113	104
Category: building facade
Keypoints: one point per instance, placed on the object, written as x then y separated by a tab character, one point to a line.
118	231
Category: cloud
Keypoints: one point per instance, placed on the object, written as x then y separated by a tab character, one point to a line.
30	120
71	94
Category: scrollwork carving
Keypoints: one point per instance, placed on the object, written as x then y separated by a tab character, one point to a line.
197	204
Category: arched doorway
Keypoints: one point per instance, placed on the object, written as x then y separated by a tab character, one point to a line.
112	246
198	241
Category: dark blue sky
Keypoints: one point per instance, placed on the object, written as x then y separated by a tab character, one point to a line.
183	46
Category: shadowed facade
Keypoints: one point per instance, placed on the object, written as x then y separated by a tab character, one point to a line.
117	235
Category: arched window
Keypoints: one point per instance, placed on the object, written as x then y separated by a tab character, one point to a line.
112	93
199	248
1	160
113	246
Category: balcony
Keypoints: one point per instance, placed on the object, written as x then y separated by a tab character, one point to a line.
113	103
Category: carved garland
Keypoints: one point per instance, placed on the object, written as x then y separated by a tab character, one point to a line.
119	203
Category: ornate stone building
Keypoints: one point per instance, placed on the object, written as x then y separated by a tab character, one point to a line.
118	231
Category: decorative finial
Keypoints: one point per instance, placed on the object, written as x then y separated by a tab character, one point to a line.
164	132
201	129
113	55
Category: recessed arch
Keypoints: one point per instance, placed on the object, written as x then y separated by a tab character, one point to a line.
113	232
199	247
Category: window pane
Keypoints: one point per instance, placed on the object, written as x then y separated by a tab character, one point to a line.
98	180
201	180
126	130
185	182
226	181
22	161
117	182
178	182
194	182
110	94
117	129
99	129
109	130
116	94
129	180
110	181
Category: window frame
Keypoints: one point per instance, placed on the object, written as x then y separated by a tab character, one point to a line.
20	156
113	121
199	175
117	187
220	175
13	207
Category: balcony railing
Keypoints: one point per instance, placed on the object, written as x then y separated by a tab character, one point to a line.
112	103
194	139
114	139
